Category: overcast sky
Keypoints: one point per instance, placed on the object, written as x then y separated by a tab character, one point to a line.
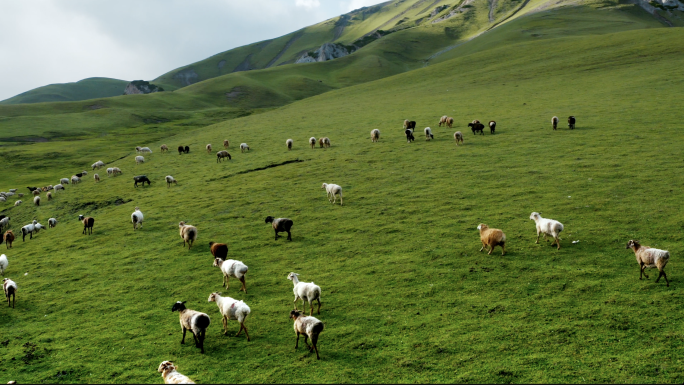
58	41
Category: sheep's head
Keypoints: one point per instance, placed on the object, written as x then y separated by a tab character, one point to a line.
269	219
292	276
534	216
178	306
80	217
218	262
294	314
482	227
166	366
35	222
181	224
632	244
137	208
213	296
324	185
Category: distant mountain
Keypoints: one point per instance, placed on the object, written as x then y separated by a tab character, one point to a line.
91	88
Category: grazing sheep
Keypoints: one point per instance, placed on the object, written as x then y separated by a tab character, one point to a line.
571	122
209	148
59	187
75	179
141	179
243	147
145	150
80	174
64	181
164	148
548	227
411	125
188	233
4	223
442	120
9	194
492	127
312	142
12	190
458	137
36	193
333	190
3	199
139	159
226	143
171	376
86	172
29	229
194	321
52	222
10	289
650	257
186	149
450	122
428	133
99	164
289	143
116	171
375	135
88	223
281	225
49	195
36	201
321	143
17	203
137	218
307	292
221	155
181	150
219	250
554	122
409	136
231	309
138	149
231	267
169	180
326	142
3	264
310	327
110	171
9	238
97	178
477	127
31	189
492	238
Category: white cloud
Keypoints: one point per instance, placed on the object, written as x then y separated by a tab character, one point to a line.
308	3
351	5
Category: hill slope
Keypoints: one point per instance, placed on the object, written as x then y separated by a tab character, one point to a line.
90	88
407	297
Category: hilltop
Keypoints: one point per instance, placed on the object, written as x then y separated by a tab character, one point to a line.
91	88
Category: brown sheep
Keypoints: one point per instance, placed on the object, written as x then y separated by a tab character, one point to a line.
326	142
97	178
226	143
219	250
49	195
442	120
208	148
164	148
36	193
492	238
458	137
321	142
650	257
88	223
9	238
554	122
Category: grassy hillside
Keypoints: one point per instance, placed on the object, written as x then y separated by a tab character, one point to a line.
90	88
407	297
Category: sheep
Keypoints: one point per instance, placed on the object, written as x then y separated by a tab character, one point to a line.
219	250
289	143
307	292
321	143
36	201
492	127
409	135
243	147
3	264
209	148
186	149
138	149
333	190
97	178
411	125
9	194
141	179
547	227
226	143
75	179
10	289
164	148
375	135
280	225
36	193
80	174
59	187
139	159
88	223
52	222
231	309
188	233
450	122
571	122
145	150
171	376
31	189
110	171
326	142
4	223
310	327
476	127
231	267
458	137
312	142
9	238
12	190
650	257
49	195
29	229
3	199
86	172
492	238
17	203
137	218
181	150
99	164
116	171
428	133
169	180
554	122
221	155
193	320
64	181
443	120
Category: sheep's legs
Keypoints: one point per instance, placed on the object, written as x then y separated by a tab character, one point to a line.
244	284
304	306
306	341
643	266
295	303
662	274
297	343
310	309
319	306
183	340
537	237
226	280
558	243
503	247
316	348
289	236
247	334
225	326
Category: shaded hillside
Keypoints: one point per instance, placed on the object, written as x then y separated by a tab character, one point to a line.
90	88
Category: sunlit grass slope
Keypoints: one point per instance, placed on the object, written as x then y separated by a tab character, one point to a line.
407	297
84	89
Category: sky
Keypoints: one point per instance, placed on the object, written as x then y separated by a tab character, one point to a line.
59	41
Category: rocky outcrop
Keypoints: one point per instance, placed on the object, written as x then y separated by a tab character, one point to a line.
141	87
187	76
327	51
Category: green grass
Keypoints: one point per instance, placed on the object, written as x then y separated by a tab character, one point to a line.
90	88
407	297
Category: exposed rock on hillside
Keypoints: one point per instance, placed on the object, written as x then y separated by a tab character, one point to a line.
141	87
187	76
328	51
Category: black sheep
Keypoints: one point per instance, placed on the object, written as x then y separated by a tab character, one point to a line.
571	122
141	179
187	149
409	136
492	127
281	225
477	127
180	150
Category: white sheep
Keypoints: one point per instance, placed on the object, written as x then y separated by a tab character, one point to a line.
52	222
146	150
333	190
12	190
428	133
116	171
138	149
32	228
289	143
193	320
110	171
311	327
231	309
10	289
307	292
548	227
171	376
231	267
99	164
139	159
375	135
188	233
59	187
75	179
169	180
3	264
36	201
4	223
650	257
243	147
17	203
64	181
312	142
3	199
137	218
